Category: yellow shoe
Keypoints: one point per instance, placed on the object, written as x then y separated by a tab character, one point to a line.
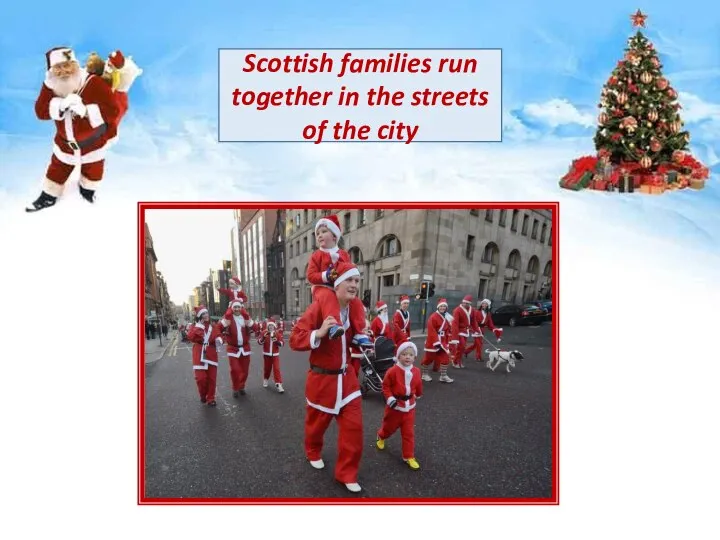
413	463
380	443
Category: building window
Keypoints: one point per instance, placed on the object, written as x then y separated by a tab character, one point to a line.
388	281
297	247
535	228
305	244
297	220
514	222
474	212
514	260
550	236
482	289
506	291
543	233
470	247
503	217
489	215
487	256
397	279
307	216
297	298
355	255
526	220
314	214
379	213
313	241
362	218
346	225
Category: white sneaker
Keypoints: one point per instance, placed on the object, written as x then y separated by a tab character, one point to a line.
265	383
354	487
279	387
427	378
446	379
319	464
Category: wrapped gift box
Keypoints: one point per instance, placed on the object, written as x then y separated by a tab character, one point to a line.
697	183
645	188
657	190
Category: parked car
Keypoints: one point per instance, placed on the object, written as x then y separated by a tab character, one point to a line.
515	315
547	306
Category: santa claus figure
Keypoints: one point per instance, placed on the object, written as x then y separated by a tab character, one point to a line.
401	322
85	113
437	344
380	325
205	339
235	291
483	320
462	325
271	340
236	329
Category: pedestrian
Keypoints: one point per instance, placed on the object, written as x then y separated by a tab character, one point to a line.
437	343
147	329
205	338
271	340
483	320
153	330
164	329
402	385
332	388
401	322
236	328
380	325
321	273
463	323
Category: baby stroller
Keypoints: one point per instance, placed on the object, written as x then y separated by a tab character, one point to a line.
375	363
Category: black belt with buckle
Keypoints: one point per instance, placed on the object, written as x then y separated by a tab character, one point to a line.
79	145
323	371
404	398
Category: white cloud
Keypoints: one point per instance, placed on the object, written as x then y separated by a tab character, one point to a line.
558	112
695	109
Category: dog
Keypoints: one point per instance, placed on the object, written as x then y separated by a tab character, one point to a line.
503	356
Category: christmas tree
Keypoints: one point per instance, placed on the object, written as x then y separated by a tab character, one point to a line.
640	137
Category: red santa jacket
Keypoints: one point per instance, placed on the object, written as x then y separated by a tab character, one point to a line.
463	323
204	351
484	320
327	392
320	260
271	344
90	132
438	333
234	294
236	333
404	384
401	326
379	328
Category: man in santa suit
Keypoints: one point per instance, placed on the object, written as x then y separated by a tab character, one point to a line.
483	320
271	340
401	322
236	334
84	110
437	344
380	325
205	339
463	323
332	388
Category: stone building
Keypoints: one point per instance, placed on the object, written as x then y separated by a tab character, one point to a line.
256	228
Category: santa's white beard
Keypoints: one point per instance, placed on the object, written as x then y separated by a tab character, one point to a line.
384	317
64	87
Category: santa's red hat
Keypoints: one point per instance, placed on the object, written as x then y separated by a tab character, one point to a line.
442	302
345	270
200	311
271	321
332	223
406	345
404	298
58	55
467	299
380	305
235	280
116	59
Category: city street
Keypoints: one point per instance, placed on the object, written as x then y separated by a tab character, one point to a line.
486	435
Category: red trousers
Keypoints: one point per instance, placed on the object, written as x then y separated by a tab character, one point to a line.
458	349
405	421
437	358
477	345
59	172
272	366
350	438
239	368
329	306
206	380
355	363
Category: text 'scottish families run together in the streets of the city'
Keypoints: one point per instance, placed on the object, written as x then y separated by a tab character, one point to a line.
335	331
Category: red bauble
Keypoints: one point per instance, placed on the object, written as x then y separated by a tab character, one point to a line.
672	94
655	62
678	156
655	145
662	83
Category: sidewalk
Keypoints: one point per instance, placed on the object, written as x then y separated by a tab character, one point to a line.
153	350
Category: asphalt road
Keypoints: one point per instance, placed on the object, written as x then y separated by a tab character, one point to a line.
486	435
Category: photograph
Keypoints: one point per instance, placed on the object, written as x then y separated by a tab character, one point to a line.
428	333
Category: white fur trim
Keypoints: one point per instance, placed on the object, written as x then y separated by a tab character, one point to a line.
224	322
199	313
238	302
314	341
78	158
53	188
390	400
55	113
204	366
330	225
86	183
94	115
442	304
406	345
210	362
350	273
59	56
486	301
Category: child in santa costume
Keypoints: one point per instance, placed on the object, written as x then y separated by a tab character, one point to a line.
332	388
402	385
437	344
235	292
321	273
463	324
236	329
483	320
205	339
380	325
401	322
271	340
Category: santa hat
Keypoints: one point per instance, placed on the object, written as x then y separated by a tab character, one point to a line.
380	305
486	301
406	345
58	55
200	311
404	298
271	321
345	270
116	59
467	299
442	302
235	280
236	302
332	223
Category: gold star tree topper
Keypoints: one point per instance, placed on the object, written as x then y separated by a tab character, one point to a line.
638	18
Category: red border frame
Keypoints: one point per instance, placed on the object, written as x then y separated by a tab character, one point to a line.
554	207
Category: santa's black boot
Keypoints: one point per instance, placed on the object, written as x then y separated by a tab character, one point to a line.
88	194
45	200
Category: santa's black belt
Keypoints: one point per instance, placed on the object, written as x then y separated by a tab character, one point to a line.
404	398
323	371
79	145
